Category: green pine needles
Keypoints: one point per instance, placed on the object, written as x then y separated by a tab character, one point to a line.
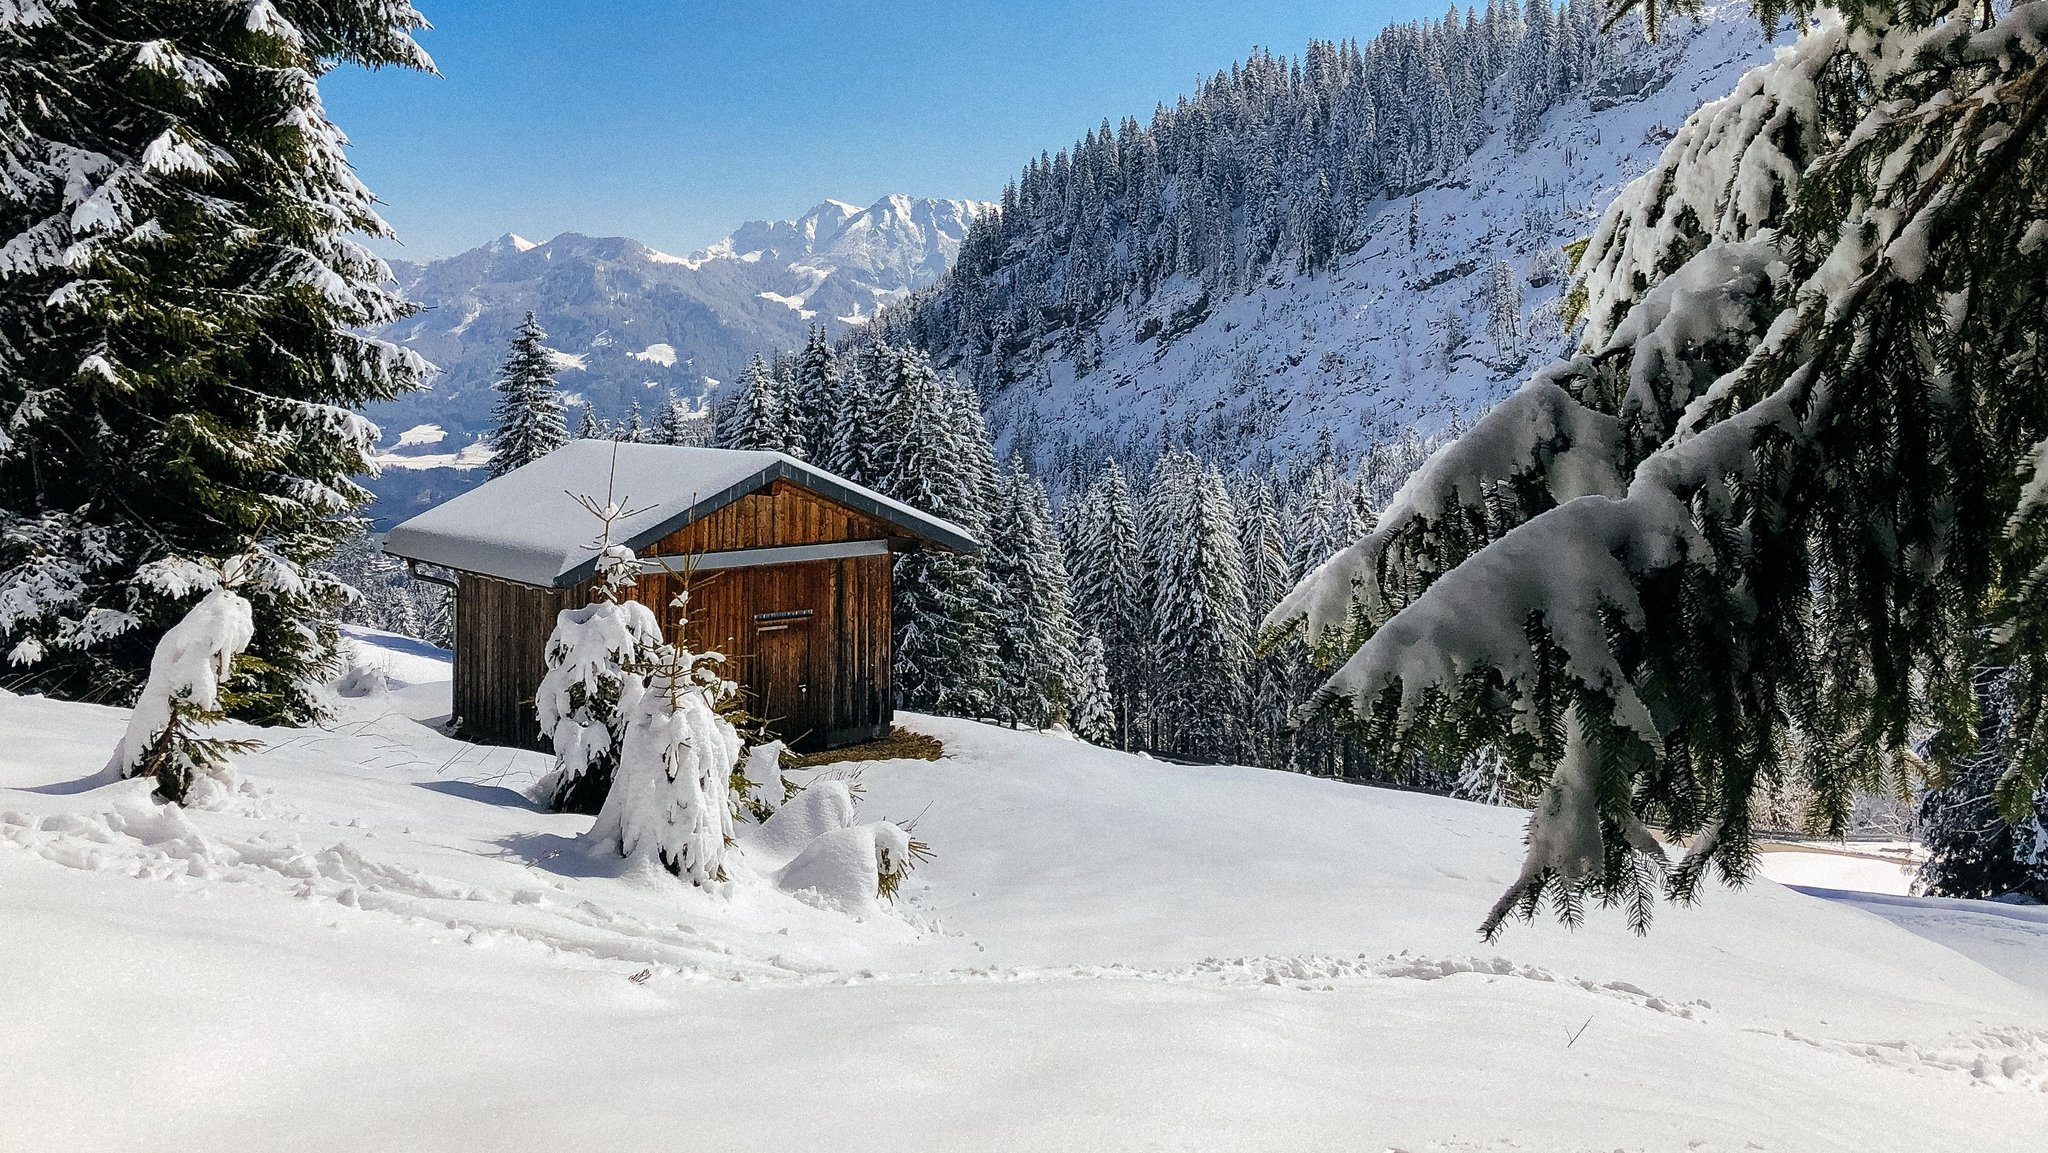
180	303
530	421
1789	495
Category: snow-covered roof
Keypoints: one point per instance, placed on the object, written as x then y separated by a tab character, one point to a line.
527	525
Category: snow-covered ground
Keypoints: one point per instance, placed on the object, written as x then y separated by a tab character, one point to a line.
378	944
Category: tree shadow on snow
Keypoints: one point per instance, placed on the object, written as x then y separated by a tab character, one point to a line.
84	784
562	856
411	646
485	794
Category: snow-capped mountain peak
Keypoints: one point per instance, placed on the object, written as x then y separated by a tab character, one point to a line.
640	324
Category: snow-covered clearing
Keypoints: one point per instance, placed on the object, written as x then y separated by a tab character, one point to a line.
378	944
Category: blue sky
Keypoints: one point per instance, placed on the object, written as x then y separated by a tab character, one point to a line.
673	122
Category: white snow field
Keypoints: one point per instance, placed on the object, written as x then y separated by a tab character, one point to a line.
375	943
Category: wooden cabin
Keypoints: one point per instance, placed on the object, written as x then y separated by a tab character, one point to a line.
789	574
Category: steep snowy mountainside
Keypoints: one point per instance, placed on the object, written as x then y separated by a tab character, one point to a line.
633	324
1396	333
1107	953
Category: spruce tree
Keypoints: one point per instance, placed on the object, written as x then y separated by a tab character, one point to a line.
1112	600
1199	619
813	397
1033	610
1975	848
1788	494
1093	719
753	418
850	439
181	303
588	427
945	649
530	423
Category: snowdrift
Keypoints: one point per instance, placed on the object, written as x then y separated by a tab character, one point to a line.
375	942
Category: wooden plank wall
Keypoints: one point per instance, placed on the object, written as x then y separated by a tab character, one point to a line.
501	636
783	514
843	652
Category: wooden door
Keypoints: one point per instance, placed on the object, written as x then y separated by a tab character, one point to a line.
785	699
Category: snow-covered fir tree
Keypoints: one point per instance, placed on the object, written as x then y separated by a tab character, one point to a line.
1504	313
1976	847
1201	628
670	799
813	395
635	427
181	303
530	422
754	417
1112	597
1033	611
1787	495
588	427
1093	718
849	448
945	649
166	738
597	660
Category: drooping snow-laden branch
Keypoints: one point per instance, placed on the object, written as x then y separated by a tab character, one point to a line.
1756	526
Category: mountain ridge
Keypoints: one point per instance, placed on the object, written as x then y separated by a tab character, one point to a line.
634	324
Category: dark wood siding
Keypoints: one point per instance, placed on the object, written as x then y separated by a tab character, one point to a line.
501	636
809	643
782	514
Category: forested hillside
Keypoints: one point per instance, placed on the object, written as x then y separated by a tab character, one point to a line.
1366	239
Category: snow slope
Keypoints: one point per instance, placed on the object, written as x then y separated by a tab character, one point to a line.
1365	351
378	944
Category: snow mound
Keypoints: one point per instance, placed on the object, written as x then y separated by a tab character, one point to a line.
844	867
824	807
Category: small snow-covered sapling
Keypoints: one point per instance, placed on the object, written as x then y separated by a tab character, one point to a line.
184	692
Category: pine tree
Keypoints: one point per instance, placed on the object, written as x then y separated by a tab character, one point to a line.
754	418
1789	500
1199	617
945	650
1093	718
1504	312
530	423
588	427
635	428
814	393
180	307
1974	848
1033	610
1112	599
